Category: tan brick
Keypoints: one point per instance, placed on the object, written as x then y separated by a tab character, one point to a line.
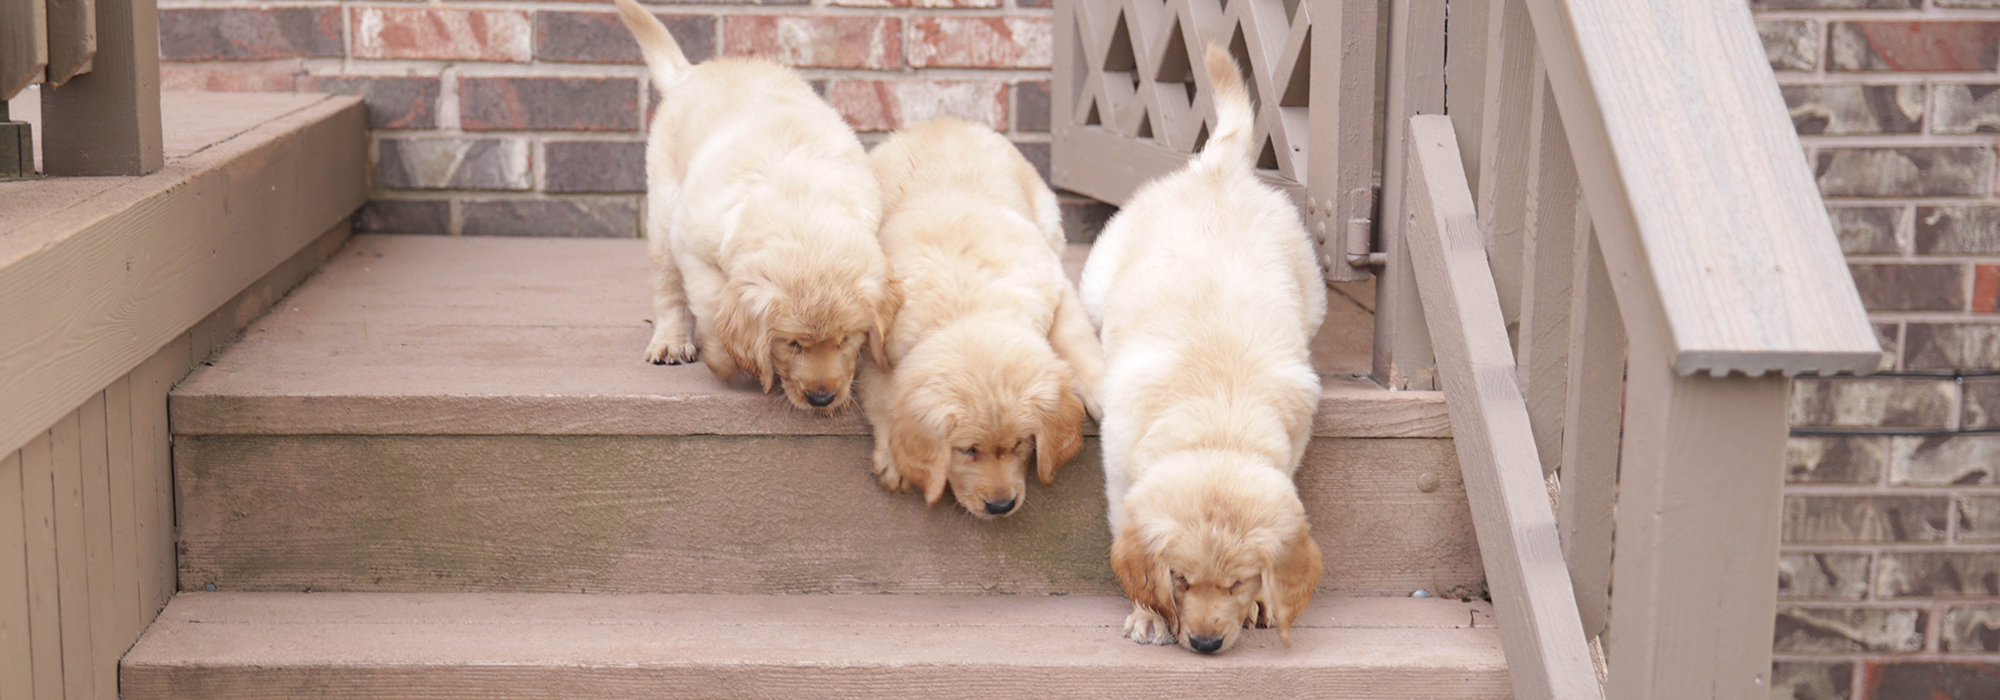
981	42
1875	402
1943	460
1903	172
1913	46
1910	286
1970	630
1978	518
1823	575
273	76
1790	45
1951	346
1937	574
1812	680
816	41
1856	109
886	105
1835	459
442	34
1832	519
1838	630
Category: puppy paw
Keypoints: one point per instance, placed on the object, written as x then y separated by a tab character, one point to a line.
669	348
1147	627
885	469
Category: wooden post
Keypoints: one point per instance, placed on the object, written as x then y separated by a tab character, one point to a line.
1403	357
1699	501
24	44
1340	171
1591	413
107	121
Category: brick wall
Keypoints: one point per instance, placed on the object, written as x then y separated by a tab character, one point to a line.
496	117
1890	577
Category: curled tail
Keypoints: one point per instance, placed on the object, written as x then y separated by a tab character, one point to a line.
1229	145
663	54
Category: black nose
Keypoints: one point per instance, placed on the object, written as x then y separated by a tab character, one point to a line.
819	398
1205	645
1000	507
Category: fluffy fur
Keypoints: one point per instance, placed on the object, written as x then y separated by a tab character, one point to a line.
761	220
993	355
1208	296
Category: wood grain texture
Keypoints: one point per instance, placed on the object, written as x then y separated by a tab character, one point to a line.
404	335
1592	416
1546	652
107	121
72	38
112	281
1403	358
24	44
154	466
17	669
234	646
1700	488
1503	154
721	514
106	613
44	609
1549	252
1713	227
72	558
1340	172
125	612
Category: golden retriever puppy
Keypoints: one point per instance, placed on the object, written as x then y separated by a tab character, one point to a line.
761	219
992	354
1208	296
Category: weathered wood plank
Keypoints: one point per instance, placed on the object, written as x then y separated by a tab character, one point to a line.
1403	358
216	221
152	465
1467	95
107	641
1594	406
107	121
513	513
1712	226
72	38
1700	488
1546	653
72	557
124	509
17	669
1548	257
1340	175
24	44
38	521
1501	190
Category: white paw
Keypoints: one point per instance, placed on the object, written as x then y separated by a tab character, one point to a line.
1147	627
885	469
670	347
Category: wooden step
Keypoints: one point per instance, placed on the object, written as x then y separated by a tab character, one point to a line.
222	646
465	414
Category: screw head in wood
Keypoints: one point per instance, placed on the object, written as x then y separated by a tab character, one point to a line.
1427	482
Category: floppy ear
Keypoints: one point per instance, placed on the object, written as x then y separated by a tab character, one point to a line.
1060	437
1289	580
922	459
1145	578
885	318
743	329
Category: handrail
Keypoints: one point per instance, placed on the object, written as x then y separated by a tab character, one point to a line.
1714	229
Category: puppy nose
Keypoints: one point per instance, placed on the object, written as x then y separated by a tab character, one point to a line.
819	398
1205	645
1001	507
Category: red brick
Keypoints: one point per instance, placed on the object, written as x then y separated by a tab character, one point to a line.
981	42
548	104
1914	46
279	76
816	41
598	37
393	102
887	105
442	34
243	34
1985	288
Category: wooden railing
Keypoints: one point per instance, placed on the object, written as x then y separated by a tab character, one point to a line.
1612	256
98	63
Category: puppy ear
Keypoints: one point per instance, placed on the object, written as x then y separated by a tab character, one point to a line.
742	327
1145	578
922	459
1060	437
1289	581
885	318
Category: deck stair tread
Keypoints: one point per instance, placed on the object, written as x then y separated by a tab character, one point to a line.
418	335
436	645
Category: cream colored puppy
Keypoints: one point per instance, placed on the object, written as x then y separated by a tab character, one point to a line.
1208	295
761	219
993	355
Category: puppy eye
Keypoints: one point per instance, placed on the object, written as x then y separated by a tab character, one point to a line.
1233	585
797	346
972	451
1180	582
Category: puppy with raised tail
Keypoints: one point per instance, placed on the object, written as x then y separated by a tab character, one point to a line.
993	355
761	220
1208	295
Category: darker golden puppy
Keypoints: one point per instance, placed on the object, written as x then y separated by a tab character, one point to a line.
992	355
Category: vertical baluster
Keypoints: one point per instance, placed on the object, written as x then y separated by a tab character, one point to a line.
1403	358
107	121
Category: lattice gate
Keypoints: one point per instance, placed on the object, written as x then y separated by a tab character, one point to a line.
1130	102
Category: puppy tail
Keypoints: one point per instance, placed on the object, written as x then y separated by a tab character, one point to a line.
1228	147
663	54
